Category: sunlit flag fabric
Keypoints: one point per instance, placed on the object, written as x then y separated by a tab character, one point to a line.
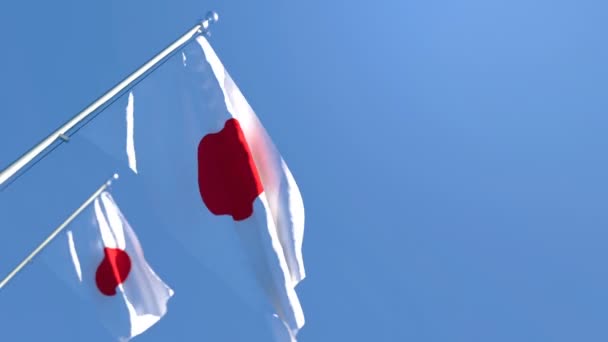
109	269
215	176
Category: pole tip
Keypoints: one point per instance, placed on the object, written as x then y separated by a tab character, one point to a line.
114	177
210	18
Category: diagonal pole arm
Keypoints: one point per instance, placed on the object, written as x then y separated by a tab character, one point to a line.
61	132
56	232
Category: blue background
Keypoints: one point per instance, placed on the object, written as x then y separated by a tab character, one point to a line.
451	156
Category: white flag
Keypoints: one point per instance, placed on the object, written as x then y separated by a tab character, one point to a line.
109	269
215	176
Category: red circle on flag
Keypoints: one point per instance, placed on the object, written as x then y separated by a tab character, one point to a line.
112	271
227	176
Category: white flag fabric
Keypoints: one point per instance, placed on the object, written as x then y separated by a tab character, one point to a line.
215	176
109	269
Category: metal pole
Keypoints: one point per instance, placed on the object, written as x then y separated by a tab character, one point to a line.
56	232
61	132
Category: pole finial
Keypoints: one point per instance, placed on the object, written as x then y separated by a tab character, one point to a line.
210	18
114	177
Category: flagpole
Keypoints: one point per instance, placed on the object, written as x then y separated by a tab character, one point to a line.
56	232
62	132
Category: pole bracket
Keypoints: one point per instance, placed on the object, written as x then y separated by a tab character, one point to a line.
64	137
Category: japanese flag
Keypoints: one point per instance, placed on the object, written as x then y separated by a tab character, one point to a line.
110	271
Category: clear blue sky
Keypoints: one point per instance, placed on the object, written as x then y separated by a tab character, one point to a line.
451	155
